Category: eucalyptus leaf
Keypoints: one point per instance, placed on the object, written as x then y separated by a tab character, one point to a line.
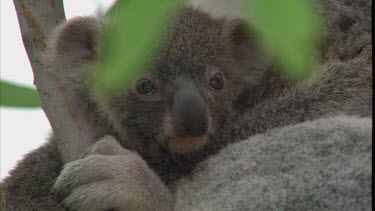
13	95
290	30
130	42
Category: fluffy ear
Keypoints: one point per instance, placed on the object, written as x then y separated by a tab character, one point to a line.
77	39
253	63
72	45
243	44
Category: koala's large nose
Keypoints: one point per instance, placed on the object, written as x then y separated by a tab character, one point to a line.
189	113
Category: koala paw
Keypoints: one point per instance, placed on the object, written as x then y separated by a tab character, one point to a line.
108	145
109	177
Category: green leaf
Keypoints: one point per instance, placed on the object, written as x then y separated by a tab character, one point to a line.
290	30
18	96
130	42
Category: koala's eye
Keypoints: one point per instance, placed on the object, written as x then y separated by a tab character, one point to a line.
145	87
216	82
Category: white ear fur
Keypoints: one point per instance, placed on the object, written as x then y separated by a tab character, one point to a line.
71	46
75	39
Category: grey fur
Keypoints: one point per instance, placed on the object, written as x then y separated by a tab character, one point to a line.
317	165
112	177
256	100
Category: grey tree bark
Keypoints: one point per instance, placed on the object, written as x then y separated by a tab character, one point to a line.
37	19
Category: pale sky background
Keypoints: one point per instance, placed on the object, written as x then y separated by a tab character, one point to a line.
26	129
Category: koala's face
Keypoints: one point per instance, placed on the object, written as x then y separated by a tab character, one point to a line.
180	113
181	102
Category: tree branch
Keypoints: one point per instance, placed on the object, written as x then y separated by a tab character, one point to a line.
59	102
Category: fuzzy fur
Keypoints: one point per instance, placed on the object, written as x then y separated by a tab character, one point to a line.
317	165
256	99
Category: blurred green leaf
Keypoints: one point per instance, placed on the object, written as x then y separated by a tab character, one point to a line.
13	95
290	30
130	42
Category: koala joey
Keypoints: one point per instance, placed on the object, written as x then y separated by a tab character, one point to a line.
211	85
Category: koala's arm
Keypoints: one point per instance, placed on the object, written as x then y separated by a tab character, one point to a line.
340	88
107	177
110	177
28	187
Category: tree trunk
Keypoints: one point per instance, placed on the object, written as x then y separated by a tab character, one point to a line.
37	19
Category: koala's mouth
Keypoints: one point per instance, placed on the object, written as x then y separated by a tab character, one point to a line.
179	145
184	135
186	144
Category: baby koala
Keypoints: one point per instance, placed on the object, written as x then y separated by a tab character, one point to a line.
210	85
208	68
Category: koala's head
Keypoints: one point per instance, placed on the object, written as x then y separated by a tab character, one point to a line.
206	68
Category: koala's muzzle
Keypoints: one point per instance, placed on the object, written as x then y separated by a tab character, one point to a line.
189	113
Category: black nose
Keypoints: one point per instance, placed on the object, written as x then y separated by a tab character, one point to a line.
189	113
